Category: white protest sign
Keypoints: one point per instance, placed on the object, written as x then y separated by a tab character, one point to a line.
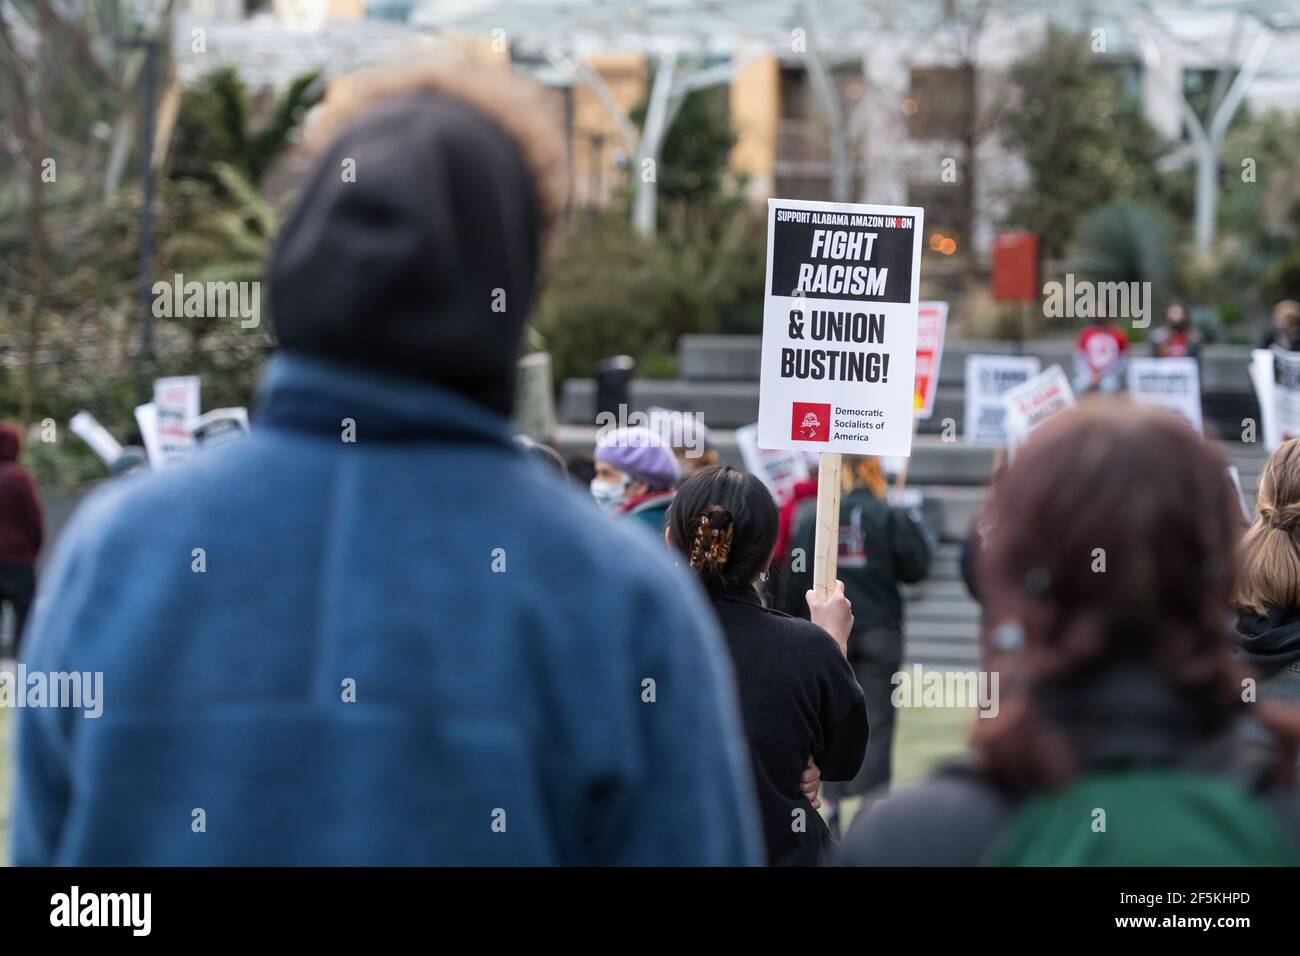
1173	384
1033	404
1286	393
931	325
988	378
1261	377
96	436
219	426
176	401
146	417
1235	477
779	469
839	327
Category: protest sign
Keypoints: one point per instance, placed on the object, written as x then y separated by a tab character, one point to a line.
1261	377
988	379
931	324
219	426
176	404
839	327
1170	383
1286	393
838	368
1235	477
96	436
1033	404
779	469
146	419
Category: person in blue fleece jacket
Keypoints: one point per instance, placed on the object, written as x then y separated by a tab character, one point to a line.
374	631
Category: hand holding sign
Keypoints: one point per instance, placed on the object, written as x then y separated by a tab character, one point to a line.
839	341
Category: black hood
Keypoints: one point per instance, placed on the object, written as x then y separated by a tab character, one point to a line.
1269	641
422	263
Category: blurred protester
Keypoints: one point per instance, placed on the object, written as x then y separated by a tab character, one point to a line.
880	547
1108	739
1284	332
977	535
801	491
803	711
1268	586
1100	354
635	475
694	449
581	466
22	528
1176	338
408	645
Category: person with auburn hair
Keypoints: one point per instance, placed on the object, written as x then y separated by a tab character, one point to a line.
1107	577
1268	586
803	711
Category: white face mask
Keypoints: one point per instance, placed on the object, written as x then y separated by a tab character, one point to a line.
608	494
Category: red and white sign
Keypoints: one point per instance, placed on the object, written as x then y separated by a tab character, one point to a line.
931	324
780	470
1032	405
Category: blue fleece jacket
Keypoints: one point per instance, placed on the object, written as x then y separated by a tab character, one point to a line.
417	647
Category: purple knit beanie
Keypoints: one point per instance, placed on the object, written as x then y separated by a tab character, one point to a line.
640	453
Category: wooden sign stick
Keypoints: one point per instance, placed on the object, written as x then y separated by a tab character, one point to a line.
826	547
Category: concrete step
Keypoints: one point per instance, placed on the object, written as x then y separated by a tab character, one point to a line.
943	612
936	589
720	404
737	358
941	655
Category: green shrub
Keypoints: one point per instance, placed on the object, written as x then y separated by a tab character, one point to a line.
610	292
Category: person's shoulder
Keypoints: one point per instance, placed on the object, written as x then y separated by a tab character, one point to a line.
951	819
1284	802
621	562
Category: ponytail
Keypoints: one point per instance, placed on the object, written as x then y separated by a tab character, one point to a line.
724	522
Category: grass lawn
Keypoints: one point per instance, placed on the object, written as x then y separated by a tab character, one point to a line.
925	737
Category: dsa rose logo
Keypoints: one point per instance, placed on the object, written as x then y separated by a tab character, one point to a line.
810	422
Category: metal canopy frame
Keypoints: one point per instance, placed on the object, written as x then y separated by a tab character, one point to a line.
684	38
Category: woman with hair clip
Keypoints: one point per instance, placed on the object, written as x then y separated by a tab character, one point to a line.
1110	739
804	714
1268	586
880	548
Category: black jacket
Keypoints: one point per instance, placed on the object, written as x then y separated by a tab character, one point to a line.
1270	642
1270	645
798	698
880	547
1129	717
